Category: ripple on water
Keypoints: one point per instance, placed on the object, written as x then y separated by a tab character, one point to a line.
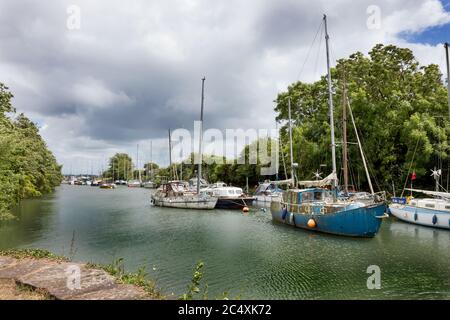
246	254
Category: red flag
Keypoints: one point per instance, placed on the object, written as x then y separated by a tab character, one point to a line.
413	176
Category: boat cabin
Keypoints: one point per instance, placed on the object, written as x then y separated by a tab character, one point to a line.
302	196
174	188
315	201
225	192
193	183
426	203
267	188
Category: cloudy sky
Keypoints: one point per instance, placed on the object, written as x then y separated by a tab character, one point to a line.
125	72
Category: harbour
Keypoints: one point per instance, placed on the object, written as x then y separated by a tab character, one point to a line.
247	255
310	162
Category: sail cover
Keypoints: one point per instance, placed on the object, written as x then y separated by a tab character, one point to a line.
327	181
431	193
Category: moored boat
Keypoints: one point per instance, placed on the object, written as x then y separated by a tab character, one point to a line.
431	212
107	185
229	197
268	192
134	184
317	209
176	194
149	185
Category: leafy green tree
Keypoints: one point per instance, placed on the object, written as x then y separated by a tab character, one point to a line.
27	167
120	167
397	106
150	168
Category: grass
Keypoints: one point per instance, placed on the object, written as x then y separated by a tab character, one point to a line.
139	278
33	254
28	290
116	269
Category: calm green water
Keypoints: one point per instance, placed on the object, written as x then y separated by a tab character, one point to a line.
247	255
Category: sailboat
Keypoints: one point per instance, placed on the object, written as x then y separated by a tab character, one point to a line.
317	206
109	185
136	183
270	191
178	194
431	212
149	184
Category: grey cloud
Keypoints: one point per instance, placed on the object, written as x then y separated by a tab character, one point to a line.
134	69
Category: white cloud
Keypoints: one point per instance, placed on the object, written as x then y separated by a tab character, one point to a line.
92	92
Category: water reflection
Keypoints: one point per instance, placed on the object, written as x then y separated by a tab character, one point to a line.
244	254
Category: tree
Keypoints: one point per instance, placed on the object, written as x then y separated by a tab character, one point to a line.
120	167
27	167
149	169
397	105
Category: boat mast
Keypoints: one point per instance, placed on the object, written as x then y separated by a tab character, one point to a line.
360	149
446	45
170	154
151	160
330	102
344	138
123	165
112	171
137	163
199	173
290	143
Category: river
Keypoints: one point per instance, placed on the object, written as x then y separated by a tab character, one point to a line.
246	255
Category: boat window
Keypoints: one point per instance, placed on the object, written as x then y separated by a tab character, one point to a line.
413	203
294	198
317	195
307	196
429	205
447	207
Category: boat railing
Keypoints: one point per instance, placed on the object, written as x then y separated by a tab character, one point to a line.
376	197
321	207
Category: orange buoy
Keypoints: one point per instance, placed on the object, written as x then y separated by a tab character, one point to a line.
245	209
311	223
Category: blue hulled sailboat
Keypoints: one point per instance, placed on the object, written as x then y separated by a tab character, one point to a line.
319	206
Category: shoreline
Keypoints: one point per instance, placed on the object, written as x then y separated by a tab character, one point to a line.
48	276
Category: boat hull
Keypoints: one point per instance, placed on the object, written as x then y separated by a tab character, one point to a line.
421	216
234	203
267	199
359	222
185	203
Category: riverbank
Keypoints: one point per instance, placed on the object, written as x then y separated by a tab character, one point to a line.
41	275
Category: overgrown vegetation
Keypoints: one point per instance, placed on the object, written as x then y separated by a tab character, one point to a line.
32	253
194	286
194	290
27	167
30	290
397	105
117	270
139	278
